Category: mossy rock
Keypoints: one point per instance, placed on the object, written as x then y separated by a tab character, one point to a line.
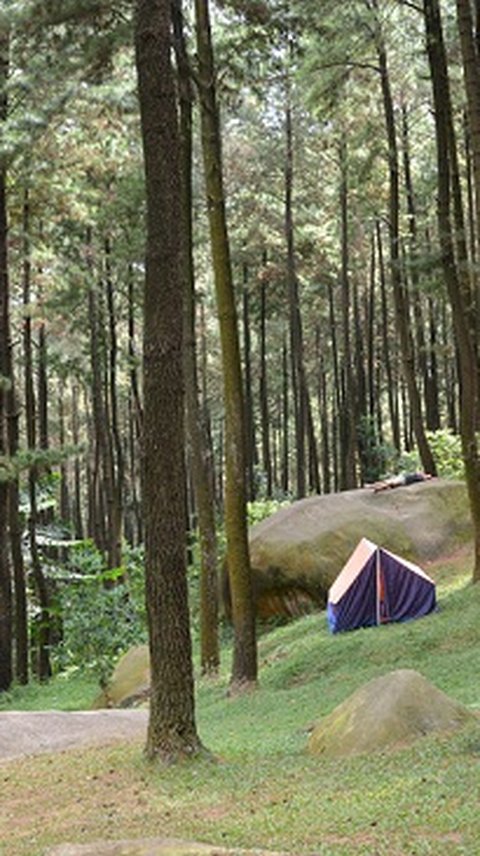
130	681
388	712
297	552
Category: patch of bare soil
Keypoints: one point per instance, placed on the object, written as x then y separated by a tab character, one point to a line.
32	733
152	847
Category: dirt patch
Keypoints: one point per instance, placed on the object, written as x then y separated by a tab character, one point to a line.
152	847
32	733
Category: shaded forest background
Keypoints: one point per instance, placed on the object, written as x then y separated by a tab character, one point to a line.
353	356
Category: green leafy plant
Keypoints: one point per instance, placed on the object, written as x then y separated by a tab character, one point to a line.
447	451
103	611
262	508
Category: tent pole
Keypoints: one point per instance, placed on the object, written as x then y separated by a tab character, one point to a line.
378	571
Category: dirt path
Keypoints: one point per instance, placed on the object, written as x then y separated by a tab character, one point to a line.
25	733
31	733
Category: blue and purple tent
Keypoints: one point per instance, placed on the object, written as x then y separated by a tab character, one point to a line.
376	587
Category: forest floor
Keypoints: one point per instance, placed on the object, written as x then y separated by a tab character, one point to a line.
264	790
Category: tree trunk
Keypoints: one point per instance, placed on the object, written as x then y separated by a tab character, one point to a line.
313	464
9	492
133	356
244	670
364	438
373	392
337	398
472	227
296	337
347	413
477	25
455	278
399	295
323	411
387	357
6	672
65	510
200	458
247	358
263	383
107	520
171	731
116	458
77	482
15	532
421	345
135	416
42	635
43	433
285	422
471	70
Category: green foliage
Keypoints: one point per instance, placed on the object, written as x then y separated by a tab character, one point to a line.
103	611
447	451
374	455
11	467
262	508
7	470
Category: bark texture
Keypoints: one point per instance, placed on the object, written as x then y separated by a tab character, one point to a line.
5	579
200	458
171	731
244	669
456	277
399	293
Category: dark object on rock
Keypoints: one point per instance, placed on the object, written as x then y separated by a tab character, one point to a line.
402	480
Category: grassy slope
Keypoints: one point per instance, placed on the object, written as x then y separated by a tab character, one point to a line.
266	791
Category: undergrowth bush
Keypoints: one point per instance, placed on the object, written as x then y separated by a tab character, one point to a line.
447	453
103	611
259	509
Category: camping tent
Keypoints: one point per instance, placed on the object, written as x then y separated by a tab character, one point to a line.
375	587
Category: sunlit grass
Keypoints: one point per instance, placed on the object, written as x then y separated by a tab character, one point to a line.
263	789
72	690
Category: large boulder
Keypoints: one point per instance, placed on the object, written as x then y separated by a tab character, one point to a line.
388	712
130	681
298	551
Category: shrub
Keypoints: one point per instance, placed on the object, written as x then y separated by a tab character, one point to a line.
101	615
447	451
262	508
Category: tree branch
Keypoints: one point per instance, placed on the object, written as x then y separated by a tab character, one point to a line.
350	64
411	6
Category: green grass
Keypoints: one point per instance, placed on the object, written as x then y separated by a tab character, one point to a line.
72	690
265	790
